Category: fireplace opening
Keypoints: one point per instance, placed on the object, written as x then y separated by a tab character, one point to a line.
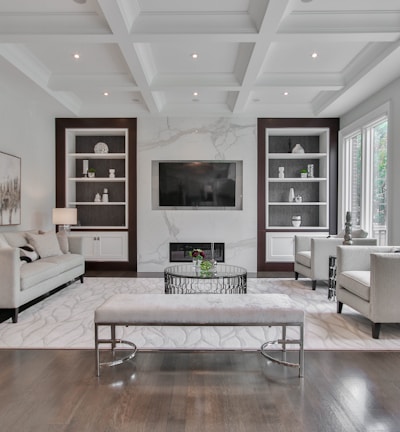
180	252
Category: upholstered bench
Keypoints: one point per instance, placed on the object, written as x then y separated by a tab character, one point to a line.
263	310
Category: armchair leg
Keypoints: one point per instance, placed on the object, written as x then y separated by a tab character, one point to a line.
296	275
339	307
314	284
376	328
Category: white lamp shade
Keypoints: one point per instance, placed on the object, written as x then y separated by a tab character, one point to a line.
65	216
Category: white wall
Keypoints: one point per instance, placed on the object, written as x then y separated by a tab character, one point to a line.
27	131
390	94
197	139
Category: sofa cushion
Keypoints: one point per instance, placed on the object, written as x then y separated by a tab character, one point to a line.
36	272
65	262
45	244
357	282
304	258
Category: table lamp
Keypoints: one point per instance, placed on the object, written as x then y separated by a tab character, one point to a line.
64	218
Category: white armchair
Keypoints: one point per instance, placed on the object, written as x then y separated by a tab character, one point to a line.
311	255
367	279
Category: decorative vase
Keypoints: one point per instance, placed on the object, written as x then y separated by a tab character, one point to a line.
296	221
197	263
291	195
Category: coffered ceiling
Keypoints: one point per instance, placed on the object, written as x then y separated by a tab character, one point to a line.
254	57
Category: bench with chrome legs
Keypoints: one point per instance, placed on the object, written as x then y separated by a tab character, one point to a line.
262	310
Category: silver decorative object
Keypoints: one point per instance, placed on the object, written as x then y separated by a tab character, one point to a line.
347	230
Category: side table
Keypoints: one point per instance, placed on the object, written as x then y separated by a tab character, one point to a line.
332	278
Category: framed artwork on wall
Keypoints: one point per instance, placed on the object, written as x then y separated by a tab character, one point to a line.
10	189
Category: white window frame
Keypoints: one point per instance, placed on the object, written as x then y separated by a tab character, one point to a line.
363	126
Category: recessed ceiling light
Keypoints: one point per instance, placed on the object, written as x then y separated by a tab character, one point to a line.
195	56
286	93
76	56
195	93
314	55
105	93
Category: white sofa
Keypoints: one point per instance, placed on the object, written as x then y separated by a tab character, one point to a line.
56	260
311	254
367	280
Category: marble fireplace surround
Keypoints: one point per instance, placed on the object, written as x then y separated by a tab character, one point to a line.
179	252
174	139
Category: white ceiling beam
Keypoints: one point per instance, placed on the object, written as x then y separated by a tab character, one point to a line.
276	10
329	81
114	17
22	59
356	74
330	36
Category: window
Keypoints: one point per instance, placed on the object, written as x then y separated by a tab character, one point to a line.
364	177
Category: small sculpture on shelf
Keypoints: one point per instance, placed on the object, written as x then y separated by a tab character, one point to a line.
348	240
291	195
281	172
111	173
97	198
85	167
298	149
104	198
310	170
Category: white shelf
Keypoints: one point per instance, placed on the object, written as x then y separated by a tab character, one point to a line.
97	155
97	179
296	179
303	203
97	203
297	155
300	228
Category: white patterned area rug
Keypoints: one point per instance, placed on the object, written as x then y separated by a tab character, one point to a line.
65	320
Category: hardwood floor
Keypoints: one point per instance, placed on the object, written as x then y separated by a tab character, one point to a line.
56	390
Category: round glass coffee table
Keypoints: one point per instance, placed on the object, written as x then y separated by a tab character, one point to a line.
223	279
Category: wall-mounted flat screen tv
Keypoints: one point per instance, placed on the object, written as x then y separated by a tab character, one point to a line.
206	185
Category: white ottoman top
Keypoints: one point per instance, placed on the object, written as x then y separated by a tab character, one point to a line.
198	309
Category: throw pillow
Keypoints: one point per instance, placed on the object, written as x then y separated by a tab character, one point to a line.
45	244
63	241
28	254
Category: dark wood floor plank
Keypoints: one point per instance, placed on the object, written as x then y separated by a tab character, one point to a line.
57	391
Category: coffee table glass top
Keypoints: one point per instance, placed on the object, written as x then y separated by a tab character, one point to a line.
189	279
220	271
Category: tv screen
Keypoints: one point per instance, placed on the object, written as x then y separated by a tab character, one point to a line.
197	184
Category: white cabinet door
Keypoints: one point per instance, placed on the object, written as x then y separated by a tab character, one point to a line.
280	245
104	246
